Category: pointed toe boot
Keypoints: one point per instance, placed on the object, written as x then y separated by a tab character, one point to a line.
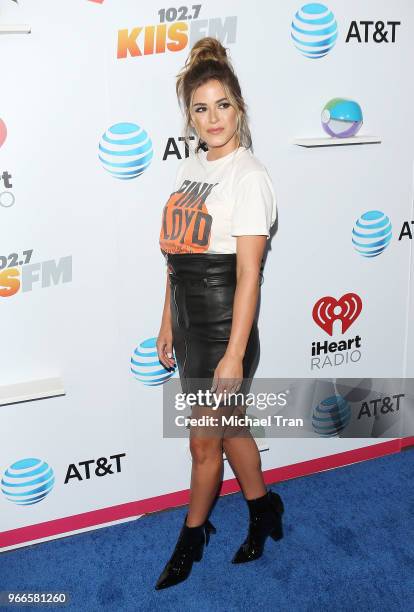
265	520
189	548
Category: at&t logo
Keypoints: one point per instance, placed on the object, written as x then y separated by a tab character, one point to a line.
372	233
314	30
376	31
125	150
99	467
27	481
331	416
146	367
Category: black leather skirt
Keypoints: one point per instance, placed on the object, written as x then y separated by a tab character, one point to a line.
202	295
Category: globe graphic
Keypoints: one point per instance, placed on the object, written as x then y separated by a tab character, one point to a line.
314	30
371	233
341	118
331	416
125	150
146	366
27	481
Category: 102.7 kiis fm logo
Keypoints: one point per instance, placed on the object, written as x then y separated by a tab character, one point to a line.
178	28
18	274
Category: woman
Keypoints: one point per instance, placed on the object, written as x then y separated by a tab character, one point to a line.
213	233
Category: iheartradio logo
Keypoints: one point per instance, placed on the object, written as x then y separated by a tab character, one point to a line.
334	353
327	310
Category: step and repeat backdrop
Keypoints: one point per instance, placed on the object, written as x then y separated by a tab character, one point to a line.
90	142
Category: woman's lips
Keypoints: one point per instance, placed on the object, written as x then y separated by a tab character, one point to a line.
215	130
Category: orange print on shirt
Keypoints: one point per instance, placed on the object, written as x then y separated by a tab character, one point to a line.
186	222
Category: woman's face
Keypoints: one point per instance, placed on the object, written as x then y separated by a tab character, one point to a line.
214	118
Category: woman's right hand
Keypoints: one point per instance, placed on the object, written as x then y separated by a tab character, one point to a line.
165	346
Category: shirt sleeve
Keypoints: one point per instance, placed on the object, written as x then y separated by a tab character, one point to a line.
255	208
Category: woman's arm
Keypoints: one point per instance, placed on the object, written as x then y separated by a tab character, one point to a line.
165	338
166	312
229	372
249	258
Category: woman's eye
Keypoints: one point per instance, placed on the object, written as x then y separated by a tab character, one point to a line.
222	104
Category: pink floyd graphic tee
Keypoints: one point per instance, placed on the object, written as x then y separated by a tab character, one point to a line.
215	201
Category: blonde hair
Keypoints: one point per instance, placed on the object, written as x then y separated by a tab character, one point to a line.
208	60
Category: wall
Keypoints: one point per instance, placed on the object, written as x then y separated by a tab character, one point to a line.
92	290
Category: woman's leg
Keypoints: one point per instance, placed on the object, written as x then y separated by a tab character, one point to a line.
265	507
244	458
206	472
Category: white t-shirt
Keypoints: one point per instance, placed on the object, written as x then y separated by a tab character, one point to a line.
215	201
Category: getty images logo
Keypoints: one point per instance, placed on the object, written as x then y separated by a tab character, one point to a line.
27	481
314	30
125	150
372	233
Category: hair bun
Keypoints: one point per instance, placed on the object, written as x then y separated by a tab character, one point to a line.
207	48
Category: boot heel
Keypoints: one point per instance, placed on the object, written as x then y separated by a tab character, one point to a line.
277	533
209	528
277	503
198	554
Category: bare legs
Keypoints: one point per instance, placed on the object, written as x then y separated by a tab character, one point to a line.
207	468
244	458
206	474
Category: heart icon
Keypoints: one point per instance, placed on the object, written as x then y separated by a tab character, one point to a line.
349	305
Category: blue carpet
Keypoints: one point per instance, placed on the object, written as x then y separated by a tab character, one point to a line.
348	545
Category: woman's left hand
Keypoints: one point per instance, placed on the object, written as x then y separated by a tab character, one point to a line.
228	375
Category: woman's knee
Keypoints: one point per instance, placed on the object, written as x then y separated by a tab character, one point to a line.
206	449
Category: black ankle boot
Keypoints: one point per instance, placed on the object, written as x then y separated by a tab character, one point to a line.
189	548
265	519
